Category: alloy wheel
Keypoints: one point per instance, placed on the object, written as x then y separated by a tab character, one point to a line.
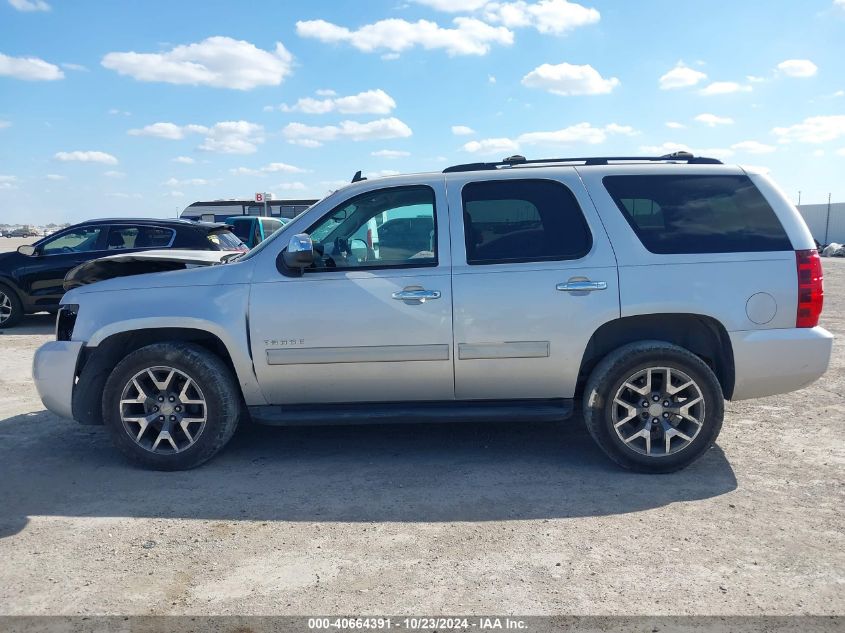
163	410
5	307
658	411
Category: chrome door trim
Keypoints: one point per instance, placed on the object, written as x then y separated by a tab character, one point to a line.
509	349
363	354
418	296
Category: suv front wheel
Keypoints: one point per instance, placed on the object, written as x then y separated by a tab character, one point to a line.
171	406
653	407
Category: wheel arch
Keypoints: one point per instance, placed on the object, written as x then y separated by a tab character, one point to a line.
98	361
702	335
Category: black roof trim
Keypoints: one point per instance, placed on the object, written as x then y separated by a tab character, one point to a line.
166	222
590	160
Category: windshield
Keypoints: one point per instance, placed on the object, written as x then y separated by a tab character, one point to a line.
226	241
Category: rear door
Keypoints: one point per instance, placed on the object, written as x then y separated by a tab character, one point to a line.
534	276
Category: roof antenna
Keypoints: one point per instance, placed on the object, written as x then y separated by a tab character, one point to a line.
358	177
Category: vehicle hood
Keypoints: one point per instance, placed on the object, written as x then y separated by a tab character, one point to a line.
129	264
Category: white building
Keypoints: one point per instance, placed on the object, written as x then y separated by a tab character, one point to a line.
825	226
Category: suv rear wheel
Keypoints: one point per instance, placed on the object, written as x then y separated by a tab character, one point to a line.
653	407
171	406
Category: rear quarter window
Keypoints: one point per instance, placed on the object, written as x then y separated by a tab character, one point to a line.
698	214
225	241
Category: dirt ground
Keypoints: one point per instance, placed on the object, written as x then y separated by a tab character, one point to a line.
523	519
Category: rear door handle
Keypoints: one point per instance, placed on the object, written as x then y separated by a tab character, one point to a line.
582	286
416	296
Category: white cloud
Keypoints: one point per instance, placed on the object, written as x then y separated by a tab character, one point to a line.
801	68
29	69
711	120
268	169
368	102
390	153
5	124
468	37
753	147
839	3
114	174
681	76
86	157
569	79
114	111
454	6
674	125
723	88
185	160
8	182
76	67
580	133
291	186
326	93
547	16
30	5
312	136
55	177
815	129
462	130
195	182
491	79
220	62
754	79
233	137
169	131
841	152
492	146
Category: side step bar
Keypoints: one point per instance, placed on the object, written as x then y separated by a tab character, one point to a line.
414	412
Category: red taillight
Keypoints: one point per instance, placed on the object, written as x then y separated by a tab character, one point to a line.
810	288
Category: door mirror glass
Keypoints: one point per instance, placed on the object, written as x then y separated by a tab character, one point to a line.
27	249
300	252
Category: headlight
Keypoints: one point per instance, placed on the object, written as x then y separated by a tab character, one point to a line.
65	320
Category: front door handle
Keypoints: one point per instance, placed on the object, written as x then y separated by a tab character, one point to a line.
582	286
416	295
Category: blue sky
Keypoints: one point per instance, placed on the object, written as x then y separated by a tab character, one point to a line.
139	108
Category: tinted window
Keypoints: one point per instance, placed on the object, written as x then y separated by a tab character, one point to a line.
522	221
80	240
242	228
698	214
378	229
121	237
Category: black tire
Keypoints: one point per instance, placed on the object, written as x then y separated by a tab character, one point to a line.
17	307
610	374
213	378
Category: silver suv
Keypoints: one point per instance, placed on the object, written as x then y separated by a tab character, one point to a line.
648	289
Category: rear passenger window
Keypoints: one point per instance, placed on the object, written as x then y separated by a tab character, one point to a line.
698	214
507	221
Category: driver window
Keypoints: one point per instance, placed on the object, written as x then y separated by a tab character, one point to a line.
378	229
79	240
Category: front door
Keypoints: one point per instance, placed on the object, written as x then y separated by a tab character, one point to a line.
371	321
43	274
533	277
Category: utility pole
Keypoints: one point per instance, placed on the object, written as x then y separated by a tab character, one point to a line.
799	197
827	222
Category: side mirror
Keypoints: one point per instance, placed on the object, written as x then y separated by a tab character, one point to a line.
300	253
27	249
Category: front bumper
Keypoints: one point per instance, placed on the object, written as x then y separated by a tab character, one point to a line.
54	373
770	362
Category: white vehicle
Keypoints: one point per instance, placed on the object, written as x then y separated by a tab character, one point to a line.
647	289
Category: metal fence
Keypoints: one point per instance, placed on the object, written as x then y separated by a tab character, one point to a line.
826	221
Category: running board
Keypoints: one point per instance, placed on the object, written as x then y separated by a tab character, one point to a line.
414	412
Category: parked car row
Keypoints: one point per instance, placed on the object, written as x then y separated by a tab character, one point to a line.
32	278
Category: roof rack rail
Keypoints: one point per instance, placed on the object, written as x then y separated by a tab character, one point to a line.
511	161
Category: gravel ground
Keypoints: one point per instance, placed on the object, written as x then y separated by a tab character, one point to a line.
525	519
